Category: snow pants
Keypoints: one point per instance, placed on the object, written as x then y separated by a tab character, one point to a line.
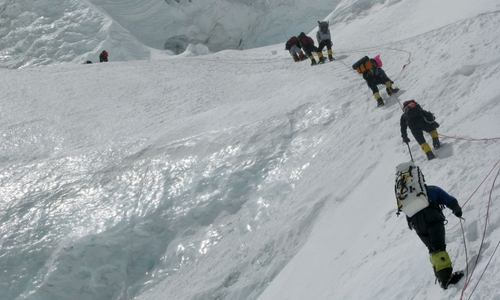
376	79
327	43
429	226
417	128
309	49
294	50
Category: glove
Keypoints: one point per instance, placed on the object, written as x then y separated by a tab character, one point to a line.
436	124
406	140
458	213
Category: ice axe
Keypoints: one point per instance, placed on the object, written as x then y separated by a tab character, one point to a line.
411	156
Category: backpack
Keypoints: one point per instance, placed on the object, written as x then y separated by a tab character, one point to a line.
323	26
305	40
409	187
293	40
412	109
363	65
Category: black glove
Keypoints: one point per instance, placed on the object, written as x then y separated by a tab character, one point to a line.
436	124
458	213
406	140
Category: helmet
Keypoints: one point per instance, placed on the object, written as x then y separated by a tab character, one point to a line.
302	34
105	53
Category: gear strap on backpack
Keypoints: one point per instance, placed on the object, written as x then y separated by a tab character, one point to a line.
363	65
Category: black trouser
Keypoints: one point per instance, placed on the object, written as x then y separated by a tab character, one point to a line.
417	128
324	43
429	226
308	49
376	79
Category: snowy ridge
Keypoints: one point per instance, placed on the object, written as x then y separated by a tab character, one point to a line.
244	175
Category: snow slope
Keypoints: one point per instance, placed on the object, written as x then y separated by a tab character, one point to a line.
244	175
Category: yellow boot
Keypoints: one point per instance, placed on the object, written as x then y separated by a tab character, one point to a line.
330	55
441	264
313	61
377	97
427	151
435	139
389	89
321	58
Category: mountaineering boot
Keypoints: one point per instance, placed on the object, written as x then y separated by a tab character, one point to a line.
441	264
330	55
455	277
427	151
430	155
435	139
435	143
313	61
444	277
321	58
391	91
380	102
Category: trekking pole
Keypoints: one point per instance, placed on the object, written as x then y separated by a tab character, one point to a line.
411	156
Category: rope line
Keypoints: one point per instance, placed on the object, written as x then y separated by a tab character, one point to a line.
482	274
466	255
494	166
469	277
495	139
407	62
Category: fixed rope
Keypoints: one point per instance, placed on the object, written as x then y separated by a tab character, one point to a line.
469	276
495	139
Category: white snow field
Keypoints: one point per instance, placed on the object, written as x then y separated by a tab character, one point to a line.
241	174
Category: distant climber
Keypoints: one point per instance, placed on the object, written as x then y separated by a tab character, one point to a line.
371	69
419	120
293	46
324	38
308	46
103	57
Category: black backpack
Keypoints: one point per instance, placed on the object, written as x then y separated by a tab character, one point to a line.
412	110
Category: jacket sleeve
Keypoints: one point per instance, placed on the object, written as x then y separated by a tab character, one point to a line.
404	126
318	37
441	197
